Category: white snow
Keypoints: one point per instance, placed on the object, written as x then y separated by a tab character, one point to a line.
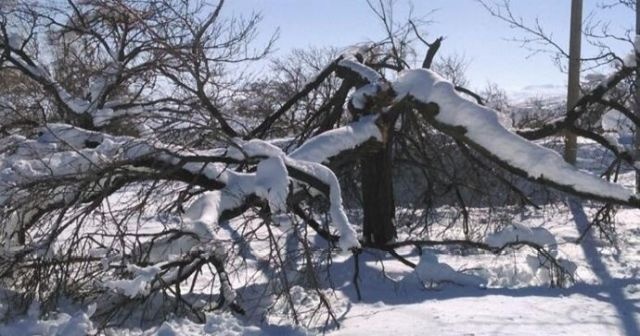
101	117
307	158
430	272
604	302
58	324
615	121
360	96
79	324
252	148
330	143
76	105
451	309
516	301
222	324
200	219
67	134
617	124
484	129
487	314
362	70
216	324
95	88
272	183
348	235
520	233
618	130
137	286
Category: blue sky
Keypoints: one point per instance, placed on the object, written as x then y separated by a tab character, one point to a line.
469	30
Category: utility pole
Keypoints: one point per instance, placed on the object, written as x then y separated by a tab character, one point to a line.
573	90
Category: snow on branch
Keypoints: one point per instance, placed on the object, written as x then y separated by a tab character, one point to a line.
353	59
94	105
520	233
139	285
364	72
307	170
348	237
478	126
272	183
333	142
63	152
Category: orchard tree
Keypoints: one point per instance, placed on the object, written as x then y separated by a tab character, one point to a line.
142	160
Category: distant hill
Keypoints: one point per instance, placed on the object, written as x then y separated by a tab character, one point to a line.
534	105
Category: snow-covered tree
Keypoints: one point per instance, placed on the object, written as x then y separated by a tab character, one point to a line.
122	186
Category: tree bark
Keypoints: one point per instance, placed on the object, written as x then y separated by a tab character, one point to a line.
377	195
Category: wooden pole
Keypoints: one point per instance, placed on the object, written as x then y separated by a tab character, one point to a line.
573	90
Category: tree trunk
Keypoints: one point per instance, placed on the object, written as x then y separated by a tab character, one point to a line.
377	195
573	91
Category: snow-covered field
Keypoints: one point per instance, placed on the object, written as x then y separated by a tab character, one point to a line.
604	301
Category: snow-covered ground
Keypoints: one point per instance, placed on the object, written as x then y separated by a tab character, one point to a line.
605	300
507	294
